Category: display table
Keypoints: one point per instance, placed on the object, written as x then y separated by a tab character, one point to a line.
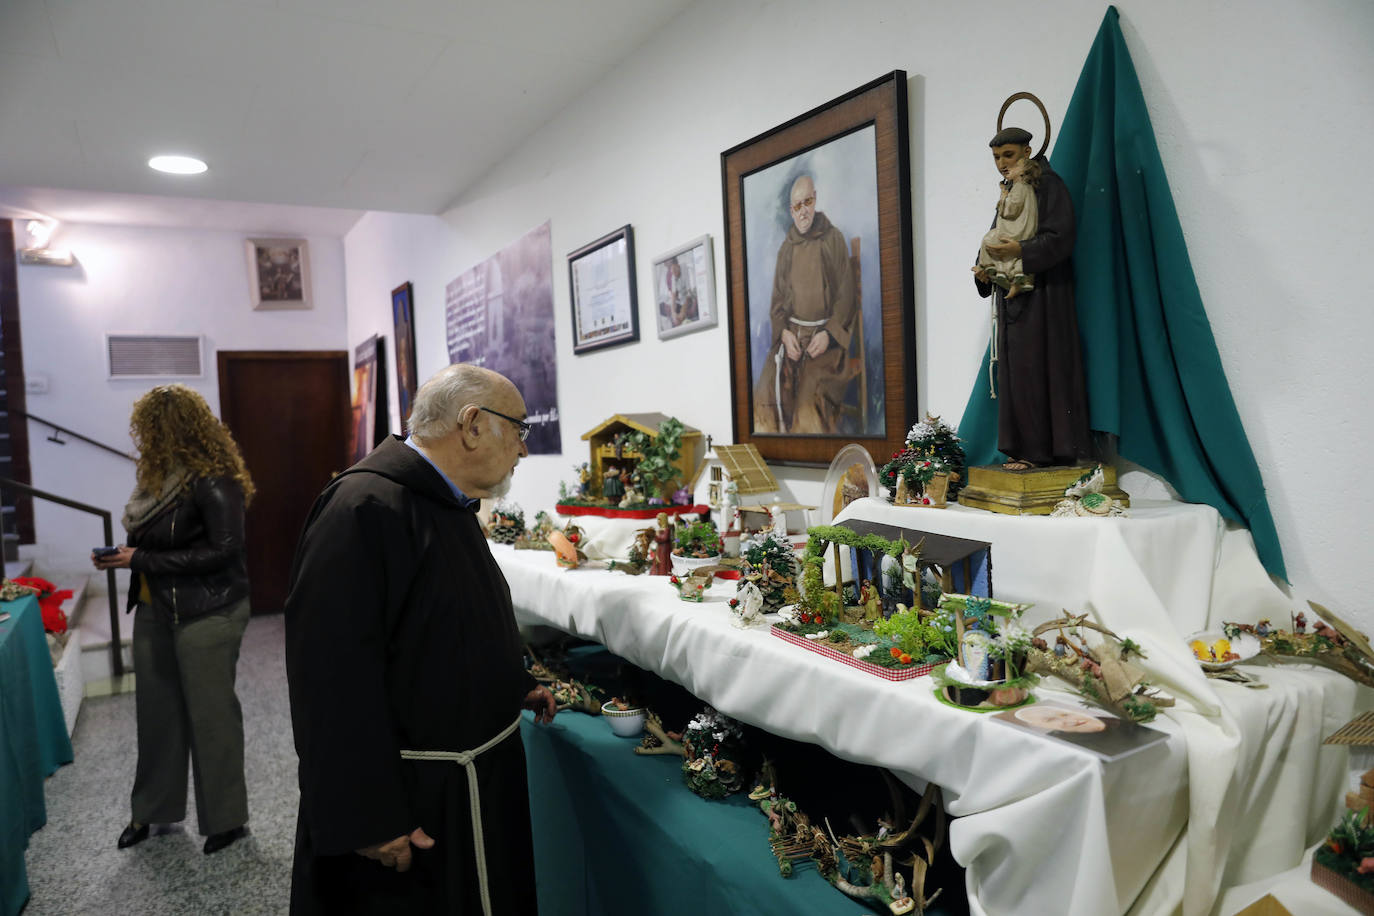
1041	826
615	832
33	741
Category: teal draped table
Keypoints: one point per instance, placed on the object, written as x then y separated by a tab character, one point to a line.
616	833
33	741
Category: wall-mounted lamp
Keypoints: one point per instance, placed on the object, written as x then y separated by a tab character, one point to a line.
40	232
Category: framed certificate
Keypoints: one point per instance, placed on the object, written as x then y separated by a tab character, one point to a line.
601	282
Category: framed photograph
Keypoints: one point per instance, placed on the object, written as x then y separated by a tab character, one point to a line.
278	273
601	281
403	319
820	281
685	289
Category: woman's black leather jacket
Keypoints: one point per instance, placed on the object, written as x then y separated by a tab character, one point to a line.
193	553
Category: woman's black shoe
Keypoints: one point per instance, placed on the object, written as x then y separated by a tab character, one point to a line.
217	841
133	834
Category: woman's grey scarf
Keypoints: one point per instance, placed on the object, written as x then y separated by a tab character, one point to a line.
144	506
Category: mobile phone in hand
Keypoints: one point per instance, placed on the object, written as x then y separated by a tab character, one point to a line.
101	552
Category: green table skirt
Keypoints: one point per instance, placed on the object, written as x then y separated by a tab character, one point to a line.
617	833
33	741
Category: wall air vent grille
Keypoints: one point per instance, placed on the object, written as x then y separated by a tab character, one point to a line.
154	355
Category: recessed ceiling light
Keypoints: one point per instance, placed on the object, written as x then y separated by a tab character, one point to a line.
177	165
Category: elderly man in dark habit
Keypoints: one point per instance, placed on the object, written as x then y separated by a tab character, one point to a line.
406	672
1042	403
801	388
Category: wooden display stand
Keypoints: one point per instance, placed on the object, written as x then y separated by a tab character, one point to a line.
1034	491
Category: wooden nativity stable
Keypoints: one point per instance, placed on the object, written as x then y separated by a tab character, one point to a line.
604	453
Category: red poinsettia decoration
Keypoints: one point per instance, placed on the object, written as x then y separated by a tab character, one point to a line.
49	602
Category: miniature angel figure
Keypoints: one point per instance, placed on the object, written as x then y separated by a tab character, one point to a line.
1018	219
749	610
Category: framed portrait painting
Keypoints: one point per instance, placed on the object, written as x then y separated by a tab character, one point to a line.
685	289
403	320
601	282
278	273
820	279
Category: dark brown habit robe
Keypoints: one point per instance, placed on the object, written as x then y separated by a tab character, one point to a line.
812	283
1042	402
400	635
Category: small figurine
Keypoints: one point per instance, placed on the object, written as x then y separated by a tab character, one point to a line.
612	487
1300	623
632	497
1263	628
663	547
747	606
872	602
777	518
729	509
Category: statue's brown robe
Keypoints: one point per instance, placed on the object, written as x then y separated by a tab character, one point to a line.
1042	402
400	634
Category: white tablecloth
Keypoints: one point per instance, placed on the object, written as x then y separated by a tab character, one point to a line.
1041	827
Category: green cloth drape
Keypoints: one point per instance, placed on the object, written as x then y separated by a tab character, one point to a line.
1154	376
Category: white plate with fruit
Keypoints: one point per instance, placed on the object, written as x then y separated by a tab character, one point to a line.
1215	651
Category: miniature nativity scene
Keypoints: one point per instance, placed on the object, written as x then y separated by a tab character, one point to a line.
904	601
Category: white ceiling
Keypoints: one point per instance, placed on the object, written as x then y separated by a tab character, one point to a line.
352	104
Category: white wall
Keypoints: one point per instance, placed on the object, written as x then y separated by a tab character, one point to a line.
141	280
1257	106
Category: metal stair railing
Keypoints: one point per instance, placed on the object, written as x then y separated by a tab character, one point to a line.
116	656
58	430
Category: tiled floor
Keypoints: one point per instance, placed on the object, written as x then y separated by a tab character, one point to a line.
73	864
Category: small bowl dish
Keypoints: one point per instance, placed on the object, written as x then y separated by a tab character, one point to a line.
627	723
1244	646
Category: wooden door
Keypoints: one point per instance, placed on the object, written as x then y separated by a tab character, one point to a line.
289	412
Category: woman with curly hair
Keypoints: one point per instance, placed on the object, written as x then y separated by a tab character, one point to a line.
189	594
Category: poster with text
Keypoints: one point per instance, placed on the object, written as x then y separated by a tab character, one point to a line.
499	314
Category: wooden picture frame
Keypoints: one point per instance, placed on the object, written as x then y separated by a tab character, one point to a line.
278	273
601	285
685	289
854	151
403	322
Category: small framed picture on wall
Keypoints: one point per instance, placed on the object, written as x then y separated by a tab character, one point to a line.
278	273
685	289
601	281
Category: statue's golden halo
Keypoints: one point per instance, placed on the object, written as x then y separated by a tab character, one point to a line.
1044	144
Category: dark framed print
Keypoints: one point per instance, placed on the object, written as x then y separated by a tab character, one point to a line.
403	319
601	282
278	273
820	279
685	289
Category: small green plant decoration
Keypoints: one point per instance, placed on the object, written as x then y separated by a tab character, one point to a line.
657	471
697	539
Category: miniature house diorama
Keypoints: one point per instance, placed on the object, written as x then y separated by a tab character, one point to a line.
725	463
608	448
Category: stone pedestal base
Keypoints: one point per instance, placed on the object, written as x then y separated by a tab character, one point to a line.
1034	491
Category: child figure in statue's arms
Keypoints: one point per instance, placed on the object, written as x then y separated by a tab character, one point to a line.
1018	220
